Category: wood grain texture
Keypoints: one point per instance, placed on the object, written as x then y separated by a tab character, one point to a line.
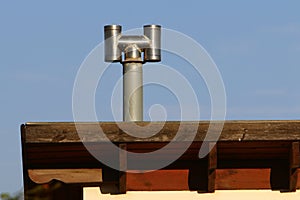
226	179
161	131
41	176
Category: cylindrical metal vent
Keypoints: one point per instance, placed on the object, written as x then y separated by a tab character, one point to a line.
111	36
153	32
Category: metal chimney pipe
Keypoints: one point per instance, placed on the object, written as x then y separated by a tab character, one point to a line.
111	35
153	32
132	47
132	91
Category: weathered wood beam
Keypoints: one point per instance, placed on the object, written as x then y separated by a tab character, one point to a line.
294	163
284	173
114	180
232	131
202	173
42	176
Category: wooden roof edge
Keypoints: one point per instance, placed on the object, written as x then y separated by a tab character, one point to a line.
255	130
159	122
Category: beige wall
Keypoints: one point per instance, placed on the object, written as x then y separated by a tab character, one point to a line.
94	194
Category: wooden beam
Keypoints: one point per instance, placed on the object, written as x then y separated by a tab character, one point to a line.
294	163
202	173
284	173
114	180
232	131
42	176
177	180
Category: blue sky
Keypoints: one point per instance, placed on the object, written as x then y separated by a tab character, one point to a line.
255	44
